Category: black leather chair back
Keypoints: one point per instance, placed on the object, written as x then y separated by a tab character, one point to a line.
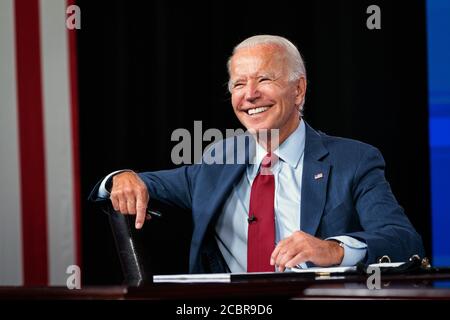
160	247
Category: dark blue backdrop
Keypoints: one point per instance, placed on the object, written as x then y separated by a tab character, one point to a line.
438	13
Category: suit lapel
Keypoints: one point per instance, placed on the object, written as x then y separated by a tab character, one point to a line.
314	181
229	176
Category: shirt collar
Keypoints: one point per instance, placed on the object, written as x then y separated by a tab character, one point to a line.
290	151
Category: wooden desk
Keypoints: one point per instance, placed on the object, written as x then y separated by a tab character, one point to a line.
283	287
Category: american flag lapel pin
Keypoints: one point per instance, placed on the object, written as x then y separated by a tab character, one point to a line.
318	176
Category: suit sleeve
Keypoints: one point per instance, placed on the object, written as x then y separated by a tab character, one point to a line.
173	187
387	230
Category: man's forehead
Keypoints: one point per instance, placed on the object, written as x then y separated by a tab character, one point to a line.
256	61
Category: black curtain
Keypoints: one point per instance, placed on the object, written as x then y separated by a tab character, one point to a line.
149	67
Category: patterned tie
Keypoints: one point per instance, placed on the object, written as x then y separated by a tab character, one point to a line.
261	220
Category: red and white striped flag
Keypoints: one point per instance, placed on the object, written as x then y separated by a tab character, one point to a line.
39	179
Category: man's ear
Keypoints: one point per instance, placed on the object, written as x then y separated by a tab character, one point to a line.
300	90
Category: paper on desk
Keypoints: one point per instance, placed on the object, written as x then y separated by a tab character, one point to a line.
207	277
226	277
193	278
342	269
324	270
386	264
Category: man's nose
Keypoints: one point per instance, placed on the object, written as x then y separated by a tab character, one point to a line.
252	92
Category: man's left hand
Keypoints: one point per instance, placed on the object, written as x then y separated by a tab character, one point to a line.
301	247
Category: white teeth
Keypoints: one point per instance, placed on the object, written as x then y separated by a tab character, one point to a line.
257	110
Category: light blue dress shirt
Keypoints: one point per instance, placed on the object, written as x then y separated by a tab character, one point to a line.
232	226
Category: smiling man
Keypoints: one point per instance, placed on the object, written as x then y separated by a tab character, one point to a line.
312	199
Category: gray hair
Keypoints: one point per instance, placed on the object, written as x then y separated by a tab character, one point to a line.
296	64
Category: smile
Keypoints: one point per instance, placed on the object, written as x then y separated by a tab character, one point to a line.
257	110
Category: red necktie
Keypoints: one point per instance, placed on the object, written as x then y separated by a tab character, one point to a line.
261	220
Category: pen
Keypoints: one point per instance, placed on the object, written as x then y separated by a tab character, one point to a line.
152	213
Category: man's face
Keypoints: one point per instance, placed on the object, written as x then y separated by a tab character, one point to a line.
261	93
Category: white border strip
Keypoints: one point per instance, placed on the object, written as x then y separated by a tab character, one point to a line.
58	140
11	265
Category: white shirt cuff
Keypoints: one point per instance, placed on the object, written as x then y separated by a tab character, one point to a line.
354	250
102	192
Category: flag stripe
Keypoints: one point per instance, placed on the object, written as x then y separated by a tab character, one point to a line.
58	140
75	137
31	137
40	215
10	212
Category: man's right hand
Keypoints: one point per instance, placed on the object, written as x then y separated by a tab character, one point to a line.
129	195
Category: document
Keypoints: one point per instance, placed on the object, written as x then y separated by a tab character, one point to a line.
229	277
324	270
217	277
344	269
213	277
386	264
193	278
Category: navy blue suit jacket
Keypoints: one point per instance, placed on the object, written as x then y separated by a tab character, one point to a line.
352	198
